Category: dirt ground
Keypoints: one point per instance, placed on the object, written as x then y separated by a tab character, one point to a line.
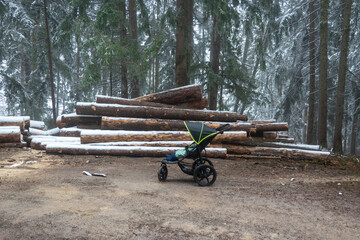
48	197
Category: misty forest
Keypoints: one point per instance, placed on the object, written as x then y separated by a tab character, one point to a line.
296	61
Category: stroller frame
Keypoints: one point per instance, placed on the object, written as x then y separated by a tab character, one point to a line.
202	169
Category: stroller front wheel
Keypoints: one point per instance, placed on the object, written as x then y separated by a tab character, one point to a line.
162	173
205	175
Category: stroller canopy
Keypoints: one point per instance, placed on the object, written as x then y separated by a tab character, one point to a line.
199	131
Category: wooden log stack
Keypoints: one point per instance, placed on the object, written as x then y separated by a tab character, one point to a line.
12	130
157	120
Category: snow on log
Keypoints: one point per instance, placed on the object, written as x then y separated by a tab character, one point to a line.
22	121
132	151
117	110
93	136
148	144
10	134
184	94
285	152
81	121
70	132
40	143
143	124
37	124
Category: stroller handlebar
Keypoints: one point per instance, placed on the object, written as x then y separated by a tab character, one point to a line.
223	128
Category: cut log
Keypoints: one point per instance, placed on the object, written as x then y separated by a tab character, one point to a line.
184	94
286	152
272	127
13	145
125	150
153	112
37	124
203	103
22	121
40	143
131	102
93	136
10	134
70	132
146	144
142	124
269	135
81	121
263	121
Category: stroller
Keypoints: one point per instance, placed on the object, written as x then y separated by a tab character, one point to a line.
201	168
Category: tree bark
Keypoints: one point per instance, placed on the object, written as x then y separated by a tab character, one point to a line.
123	67
175	96
183	41
126	151
51	76
135	91
201	104
116	110
10	134
284	152
215	63
272	127
96	136
141	124
339	111
71	120
312	62
323	75
131	102
354	133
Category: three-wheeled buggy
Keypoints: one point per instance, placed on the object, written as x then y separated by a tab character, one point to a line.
200	167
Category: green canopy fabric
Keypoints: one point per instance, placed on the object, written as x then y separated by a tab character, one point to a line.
199	131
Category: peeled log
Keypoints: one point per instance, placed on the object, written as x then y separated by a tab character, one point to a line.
184	94
10	134
142	124
95	136
125	150
117	110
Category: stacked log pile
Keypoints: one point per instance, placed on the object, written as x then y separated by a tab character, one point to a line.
12	130
153	125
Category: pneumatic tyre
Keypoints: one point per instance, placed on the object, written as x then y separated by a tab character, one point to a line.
162	173
204	175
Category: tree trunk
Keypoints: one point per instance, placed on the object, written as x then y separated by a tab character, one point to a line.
153	112
312	61
51	77
175	96
123	67
142	124
133	151
339	112
323	75
183	41
215	63
135	91
354	133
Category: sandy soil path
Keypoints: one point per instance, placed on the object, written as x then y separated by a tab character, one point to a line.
48	197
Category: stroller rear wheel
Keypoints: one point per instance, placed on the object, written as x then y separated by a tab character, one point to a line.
162	173
205	175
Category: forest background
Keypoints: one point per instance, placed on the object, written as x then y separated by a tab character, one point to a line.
291	60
